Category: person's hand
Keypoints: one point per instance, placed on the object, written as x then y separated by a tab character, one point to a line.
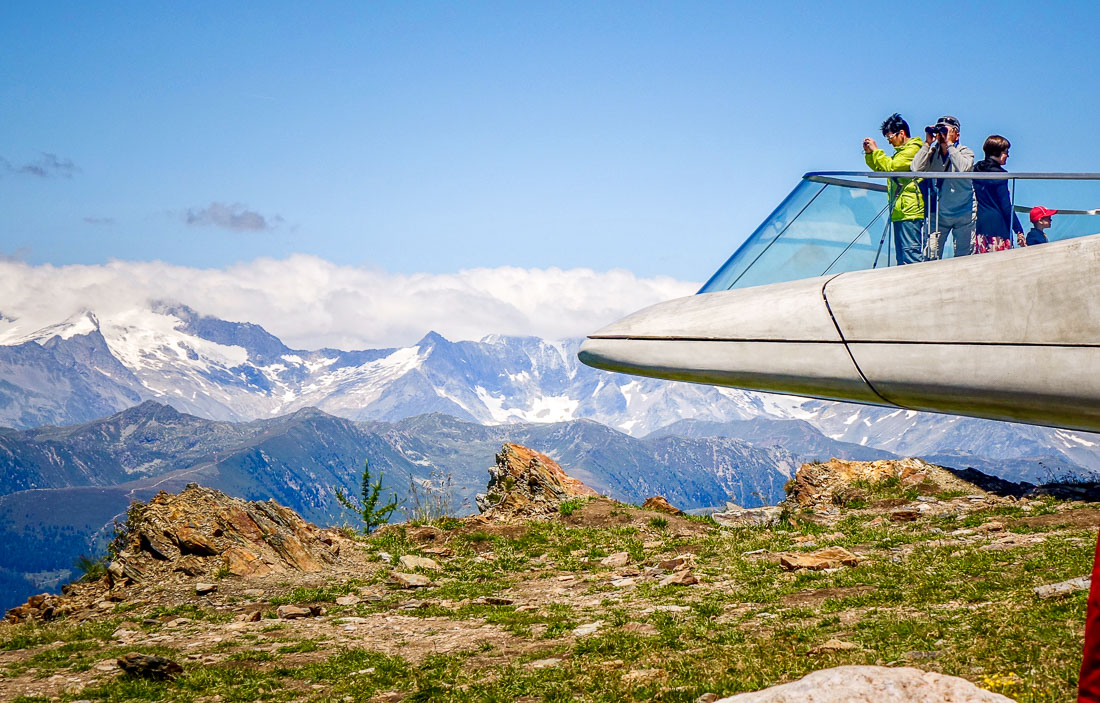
869	145
943	138
929	136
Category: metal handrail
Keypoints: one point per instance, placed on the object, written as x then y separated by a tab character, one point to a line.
819	176
843	178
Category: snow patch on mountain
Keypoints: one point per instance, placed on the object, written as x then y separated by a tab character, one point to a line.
14	332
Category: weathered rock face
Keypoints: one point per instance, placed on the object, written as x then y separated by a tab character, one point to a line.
872	684
820	485
526	483
201	530
191	538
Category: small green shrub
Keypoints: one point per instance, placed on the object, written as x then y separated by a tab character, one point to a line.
368	509
91	568
568	507
658	523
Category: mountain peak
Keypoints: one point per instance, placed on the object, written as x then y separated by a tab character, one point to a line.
261	345
432	339
148	410
79	323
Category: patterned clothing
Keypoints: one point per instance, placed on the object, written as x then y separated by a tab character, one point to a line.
984	244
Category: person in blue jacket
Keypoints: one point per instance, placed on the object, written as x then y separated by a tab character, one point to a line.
1040	222
996	221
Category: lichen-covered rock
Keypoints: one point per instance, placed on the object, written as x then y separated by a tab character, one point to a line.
1063	588
526	483
741	517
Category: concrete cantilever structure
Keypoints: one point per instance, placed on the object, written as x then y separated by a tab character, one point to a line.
1012	335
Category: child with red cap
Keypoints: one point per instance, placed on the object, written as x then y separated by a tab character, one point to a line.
1040	223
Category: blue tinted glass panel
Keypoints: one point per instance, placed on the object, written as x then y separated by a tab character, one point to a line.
833	230
763	237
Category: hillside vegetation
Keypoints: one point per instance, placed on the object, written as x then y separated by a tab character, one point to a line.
593	600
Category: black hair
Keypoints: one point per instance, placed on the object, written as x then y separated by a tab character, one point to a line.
895	123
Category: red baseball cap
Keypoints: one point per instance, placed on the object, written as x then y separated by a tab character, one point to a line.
1038	213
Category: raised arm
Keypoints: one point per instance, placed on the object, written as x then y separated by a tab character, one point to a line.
961	157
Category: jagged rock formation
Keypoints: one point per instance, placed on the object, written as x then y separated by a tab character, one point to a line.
526	483
201	530
189	538
872	684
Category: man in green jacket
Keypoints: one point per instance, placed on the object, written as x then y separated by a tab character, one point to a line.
907	215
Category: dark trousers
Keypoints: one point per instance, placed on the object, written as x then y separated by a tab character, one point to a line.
907	243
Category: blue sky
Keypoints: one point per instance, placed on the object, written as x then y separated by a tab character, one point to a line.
434	137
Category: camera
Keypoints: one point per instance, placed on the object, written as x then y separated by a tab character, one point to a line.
936	129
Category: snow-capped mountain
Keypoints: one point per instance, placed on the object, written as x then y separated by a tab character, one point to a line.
238	371
86	367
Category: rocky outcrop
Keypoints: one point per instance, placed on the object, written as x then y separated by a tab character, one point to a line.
823	485
202	531
872	684
525	483
661	505
198	535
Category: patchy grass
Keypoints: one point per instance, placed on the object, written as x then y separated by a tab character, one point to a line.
568	507
921	597
33	634
322	594
191	612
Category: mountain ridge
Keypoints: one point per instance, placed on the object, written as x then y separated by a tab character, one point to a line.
61	487
90	365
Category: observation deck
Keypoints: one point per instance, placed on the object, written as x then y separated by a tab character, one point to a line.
812	304
838	221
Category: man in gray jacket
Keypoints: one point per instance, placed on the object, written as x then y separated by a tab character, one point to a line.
942	152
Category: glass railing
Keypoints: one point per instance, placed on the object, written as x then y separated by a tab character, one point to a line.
839	221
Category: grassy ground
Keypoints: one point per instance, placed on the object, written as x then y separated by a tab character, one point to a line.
922	597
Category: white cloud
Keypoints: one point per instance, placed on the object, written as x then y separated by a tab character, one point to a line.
310	303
